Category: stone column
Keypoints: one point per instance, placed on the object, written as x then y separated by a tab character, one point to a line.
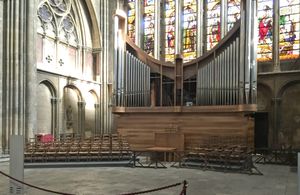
104	12
81	118
1	75
153	94
97	119
178	81
54	119
19	69
276	117
31	82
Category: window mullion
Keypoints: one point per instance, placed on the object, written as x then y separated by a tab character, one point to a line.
275	51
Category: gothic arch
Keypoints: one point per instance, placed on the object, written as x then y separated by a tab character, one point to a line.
47	108
264	93
96	38
96	98
78	92
92	113
289	114
51	87
286	86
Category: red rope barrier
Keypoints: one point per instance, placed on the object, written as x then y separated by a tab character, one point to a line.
27	184
161	188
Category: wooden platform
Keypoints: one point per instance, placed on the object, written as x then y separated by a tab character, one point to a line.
198	124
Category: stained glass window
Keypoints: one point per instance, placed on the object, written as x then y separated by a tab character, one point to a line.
149	26
265	31
170	30
189	29
213	23
233	12
289	29
131	19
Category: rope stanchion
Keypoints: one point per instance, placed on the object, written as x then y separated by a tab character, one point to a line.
184	187
161	188
39	188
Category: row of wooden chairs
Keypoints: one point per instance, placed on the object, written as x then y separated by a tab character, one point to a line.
219	156
106	148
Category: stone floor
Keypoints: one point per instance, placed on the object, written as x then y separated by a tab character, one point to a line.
277	180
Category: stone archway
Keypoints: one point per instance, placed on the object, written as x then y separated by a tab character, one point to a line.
46	108
289	115
91	114
73	112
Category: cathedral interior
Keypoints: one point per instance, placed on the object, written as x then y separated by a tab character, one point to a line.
180	74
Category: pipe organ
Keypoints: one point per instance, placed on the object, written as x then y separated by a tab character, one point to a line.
132	88
223	86
218	74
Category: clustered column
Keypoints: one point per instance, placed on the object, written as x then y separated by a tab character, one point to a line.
19	69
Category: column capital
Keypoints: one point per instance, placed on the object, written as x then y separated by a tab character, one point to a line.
81	103
54	100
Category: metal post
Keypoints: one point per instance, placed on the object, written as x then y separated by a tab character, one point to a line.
298	172
115	83
233	72
253	54
131	80
16	164
237	65
222	78
242	54
217	79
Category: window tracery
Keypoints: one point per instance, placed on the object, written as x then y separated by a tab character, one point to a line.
55	16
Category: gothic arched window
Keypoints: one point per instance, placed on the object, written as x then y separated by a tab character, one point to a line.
60	43
213	23
58	38
289	32
233	12
265	30
131	19
169	30
149	23
189	29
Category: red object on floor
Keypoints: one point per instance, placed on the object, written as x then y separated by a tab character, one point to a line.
44	138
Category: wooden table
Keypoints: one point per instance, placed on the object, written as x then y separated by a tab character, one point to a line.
156	151
152	150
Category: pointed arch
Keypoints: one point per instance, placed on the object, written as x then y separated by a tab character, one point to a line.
51	87
78	92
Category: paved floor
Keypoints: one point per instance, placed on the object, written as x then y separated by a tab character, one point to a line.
277	180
